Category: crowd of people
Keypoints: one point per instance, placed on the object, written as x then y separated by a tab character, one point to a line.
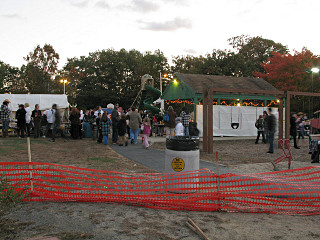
266	127
119	124
114	122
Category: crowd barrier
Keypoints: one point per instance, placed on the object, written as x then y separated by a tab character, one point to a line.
294	192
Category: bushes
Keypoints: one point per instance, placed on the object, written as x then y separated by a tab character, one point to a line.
10	196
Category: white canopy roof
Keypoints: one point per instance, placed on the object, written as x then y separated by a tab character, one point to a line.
44	100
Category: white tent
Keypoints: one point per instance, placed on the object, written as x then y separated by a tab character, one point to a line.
44	100
223	116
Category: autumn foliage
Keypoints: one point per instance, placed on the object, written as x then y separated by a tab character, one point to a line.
290	72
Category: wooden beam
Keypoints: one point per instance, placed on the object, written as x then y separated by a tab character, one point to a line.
287	117
308	94
250	91
280	110
205	121
210	121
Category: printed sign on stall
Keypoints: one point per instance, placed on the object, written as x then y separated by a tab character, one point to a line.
178	164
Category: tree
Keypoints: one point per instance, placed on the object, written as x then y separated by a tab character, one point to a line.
253	51
10	79
42	65
288	72
110	76
248	55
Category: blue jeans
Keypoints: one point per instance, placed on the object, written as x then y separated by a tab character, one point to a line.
186	130
271	139
134	134
56	129
105	140
5	126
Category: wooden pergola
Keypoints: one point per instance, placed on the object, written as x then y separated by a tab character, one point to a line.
283	96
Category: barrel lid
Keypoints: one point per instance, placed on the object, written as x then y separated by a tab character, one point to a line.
182	143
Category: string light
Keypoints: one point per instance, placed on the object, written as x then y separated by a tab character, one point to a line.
244	103
179	101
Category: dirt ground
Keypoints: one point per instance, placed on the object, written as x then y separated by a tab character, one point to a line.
32	220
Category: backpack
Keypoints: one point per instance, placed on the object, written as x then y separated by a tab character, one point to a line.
166	117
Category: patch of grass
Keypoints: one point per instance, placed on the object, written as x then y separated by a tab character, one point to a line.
7	145
101	159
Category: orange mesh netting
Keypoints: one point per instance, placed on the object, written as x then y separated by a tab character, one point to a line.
286	192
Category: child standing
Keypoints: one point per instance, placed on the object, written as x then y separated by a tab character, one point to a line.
122	128
146	131
105	124
179	130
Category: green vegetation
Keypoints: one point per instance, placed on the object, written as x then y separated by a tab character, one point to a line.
10	196
13	144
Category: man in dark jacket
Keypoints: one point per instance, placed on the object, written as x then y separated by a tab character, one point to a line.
36	118
21	120
293	129
271	129
115	119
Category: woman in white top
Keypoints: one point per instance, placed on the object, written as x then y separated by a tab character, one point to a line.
28	118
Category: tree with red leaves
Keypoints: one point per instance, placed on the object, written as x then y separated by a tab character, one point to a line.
291	72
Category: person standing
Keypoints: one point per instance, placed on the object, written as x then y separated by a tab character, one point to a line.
50	120
171	122
96	113
134	123
56	124
293	129
105	124
21	120
122	128
75	123
300	125
265	126
28	118
179	129
5	117
36	118
260	130
185	120
99	128
271	129
146	129
115	119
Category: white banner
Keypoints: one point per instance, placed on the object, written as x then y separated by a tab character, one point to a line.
44	100
241	118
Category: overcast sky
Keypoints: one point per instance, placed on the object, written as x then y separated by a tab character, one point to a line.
176	27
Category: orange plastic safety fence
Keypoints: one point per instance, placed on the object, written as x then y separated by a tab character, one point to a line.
285	192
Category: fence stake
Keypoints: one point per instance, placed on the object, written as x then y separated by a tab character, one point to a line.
218	180
30	166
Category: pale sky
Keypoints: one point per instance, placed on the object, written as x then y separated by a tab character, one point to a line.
176	27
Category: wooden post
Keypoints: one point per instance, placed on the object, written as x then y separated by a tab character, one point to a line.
280	110
218	181
30	166
287	117
205	121
210	121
